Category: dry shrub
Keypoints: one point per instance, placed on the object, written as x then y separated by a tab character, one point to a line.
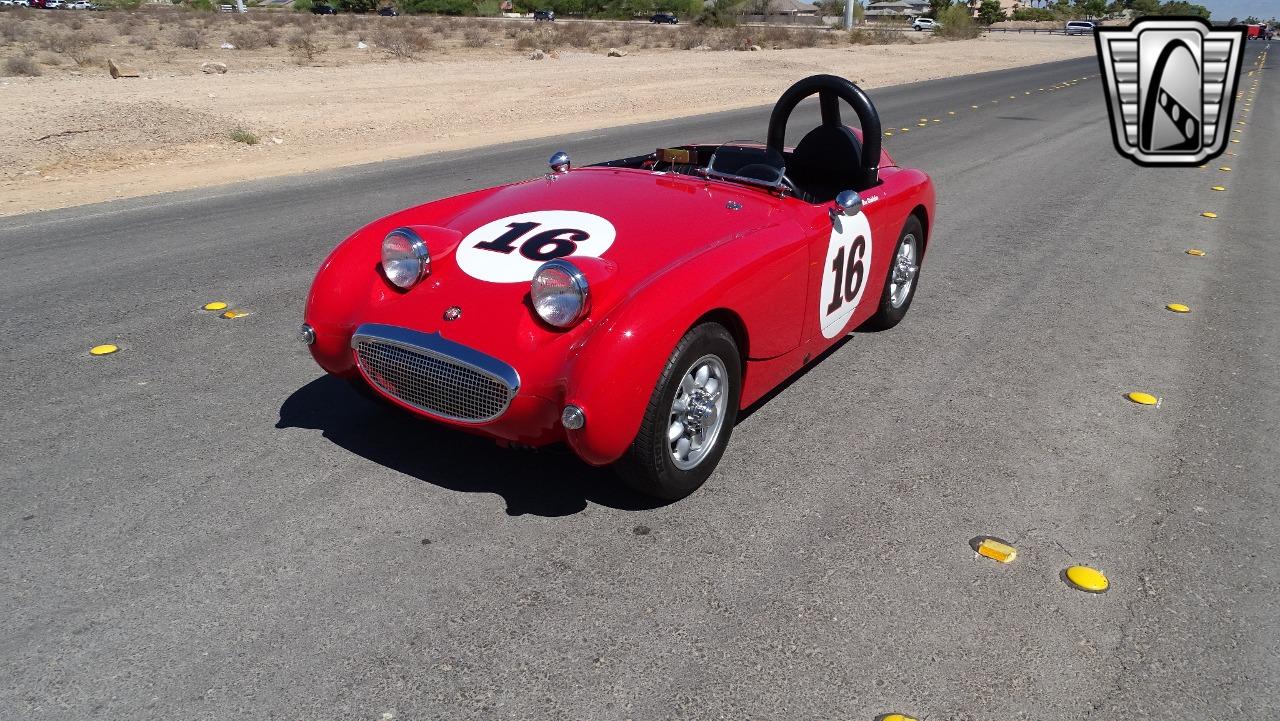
578	35
190	37
691	36
11	31
526	41
248	39
474	38
74	44
872	35
304	44
404	42
52	59
21	65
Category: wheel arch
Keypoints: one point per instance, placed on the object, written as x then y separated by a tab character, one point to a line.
922	215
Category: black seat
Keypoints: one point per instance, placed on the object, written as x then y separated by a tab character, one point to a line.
827	161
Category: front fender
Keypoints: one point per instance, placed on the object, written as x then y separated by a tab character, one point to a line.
612	374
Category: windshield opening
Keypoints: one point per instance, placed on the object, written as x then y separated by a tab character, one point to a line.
750	163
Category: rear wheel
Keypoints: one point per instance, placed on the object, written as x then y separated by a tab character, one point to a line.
900	283
689	418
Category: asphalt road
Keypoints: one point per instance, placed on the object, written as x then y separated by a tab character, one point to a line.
202	526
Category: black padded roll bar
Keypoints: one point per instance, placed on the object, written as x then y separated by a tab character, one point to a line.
830	89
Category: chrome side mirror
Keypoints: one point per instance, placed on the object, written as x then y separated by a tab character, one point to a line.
559	162
848	202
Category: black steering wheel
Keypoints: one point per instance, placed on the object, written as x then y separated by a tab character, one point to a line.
830	155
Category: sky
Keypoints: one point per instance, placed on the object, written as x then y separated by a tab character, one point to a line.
1226	9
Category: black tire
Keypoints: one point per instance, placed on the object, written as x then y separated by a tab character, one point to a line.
647	466
887	316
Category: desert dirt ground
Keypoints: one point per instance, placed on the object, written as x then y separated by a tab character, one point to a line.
77	136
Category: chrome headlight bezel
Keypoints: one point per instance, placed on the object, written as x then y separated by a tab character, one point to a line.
560	280
407	264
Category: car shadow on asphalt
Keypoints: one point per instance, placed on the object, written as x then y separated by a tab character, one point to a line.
552	482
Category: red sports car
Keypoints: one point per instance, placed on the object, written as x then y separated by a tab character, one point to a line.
630	309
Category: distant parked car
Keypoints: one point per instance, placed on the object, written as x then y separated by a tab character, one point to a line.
665	19
323	9
6	3
52	4
1079	27
541	15
925	24
80	5
387	12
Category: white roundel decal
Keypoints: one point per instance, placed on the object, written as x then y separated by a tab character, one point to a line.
511	249
845	273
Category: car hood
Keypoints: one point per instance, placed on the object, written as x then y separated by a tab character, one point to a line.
655	220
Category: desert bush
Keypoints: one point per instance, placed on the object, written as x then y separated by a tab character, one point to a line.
248	39
240	135
692	37
146	42
957	24
876	36
190	37
401	41
12	31
51	59
74	44
526	41
474	38
302	6
304	44
719	14
578	35
21	65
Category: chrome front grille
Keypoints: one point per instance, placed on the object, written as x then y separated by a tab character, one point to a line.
434	375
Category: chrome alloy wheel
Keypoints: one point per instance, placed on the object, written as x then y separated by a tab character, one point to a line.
903	273
698	412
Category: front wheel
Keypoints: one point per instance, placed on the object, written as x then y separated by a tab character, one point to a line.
900	282
689	418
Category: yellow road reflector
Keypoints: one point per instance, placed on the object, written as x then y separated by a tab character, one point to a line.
1219	187
951	112
924	120
104	349
215	305
888	134
921	125
905	130
1225	169
1209	214
937	120
1013	97
975	107
1002	552
895	717
1234	140
1088	579
235	314
1237	130
1145	399
1240	122
1178	308
1026	92
1194	251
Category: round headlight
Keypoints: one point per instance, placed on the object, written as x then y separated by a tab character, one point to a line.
405	260
559	293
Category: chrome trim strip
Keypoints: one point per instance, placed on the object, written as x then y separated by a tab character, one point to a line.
433	344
